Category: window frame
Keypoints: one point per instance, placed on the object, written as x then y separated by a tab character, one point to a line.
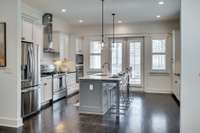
94	54
159	71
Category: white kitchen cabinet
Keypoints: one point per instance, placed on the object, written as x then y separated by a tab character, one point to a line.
75	47
176	86
27	30
79	47
71	83
47	89
38	37
60	44
56	41
176	51
176	64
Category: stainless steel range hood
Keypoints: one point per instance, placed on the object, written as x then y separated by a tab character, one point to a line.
47	20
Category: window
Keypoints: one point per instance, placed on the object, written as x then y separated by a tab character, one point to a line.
159	55
95	55
116	49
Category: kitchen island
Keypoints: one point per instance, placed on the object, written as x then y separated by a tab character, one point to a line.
99	92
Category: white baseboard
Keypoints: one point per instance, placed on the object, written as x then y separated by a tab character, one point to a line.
158	91
136	89
14	123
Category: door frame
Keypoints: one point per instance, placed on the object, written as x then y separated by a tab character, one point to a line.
126	57
140	39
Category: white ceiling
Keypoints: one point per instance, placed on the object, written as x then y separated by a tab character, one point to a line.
129	11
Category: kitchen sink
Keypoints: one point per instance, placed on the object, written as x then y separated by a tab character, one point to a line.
114	76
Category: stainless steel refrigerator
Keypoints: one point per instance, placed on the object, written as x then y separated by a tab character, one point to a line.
30	75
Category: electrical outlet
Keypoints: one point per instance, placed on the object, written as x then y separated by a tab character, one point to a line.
91	87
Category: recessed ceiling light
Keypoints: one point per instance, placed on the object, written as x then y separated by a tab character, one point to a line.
81	21
63	10
161	2
119	21
158	16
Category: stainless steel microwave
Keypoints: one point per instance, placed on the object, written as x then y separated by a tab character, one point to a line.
79	59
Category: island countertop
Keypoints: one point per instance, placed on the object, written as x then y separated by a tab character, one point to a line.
100	76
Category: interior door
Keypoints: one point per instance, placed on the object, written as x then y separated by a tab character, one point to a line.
135	47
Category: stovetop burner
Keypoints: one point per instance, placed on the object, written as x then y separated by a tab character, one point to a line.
52	74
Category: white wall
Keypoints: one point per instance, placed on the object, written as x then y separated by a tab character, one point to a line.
10	83
190	78
153	83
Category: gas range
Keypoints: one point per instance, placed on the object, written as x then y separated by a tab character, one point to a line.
58	82
52	74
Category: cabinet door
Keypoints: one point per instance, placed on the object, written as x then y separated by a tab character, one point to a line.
56	41
38	37
79	46
47	89
176	86
61	47
27	30
71	83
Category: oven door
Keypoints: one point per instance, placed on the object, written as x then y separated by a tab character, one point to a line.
59	87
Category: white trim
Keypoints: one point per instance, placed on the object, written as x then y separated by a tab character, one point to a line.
159	91
7	122
136	89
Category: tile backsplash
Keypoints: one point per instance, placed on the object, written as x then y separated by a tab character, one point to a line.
49	58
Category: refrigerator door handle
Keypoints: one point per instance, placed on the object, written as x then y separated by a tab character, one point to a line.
28	64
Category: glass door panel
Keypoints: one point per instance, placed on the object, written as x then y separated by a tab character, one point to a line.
116	57
135	62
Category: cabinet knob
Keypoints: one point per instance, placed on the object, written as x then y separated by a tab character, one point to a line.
45	84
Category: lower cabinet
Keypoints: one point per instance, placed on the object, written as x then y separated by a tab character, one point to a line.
176	86
71	83
46	90
109	96
96	96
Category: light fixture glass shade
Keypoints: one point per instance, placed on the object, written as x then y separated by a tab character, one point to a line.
102	45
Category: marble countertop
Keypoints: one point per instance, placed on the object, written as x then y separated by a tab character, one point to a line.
101	76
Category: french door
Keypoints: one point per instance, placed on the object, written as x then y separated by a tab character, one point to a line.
135	52
128	52
117	56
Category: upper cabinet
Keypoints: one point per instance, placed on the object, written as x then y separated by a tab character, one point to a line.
176	87
27	30
60	44
176	52
79	47
57	41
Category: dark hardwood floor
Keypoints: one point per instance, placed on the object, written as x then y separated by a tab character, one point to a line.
148	113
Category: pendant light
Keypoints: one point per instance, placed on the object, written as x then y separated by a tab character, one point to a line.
113	42
102	24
